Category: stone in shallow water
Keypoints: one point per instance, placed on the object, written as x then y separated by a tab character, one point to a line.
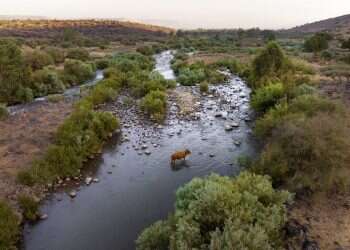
88	180
228	127
72	194
44	217
147	152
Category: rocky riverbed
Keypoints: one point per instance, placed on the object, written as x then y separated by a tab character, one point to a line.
133	184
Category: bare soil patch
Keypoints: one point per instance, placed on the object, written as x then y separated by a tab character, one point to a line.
326	218
24	137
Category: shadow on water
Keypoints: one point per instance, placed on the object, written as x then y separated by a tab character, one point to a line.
137	188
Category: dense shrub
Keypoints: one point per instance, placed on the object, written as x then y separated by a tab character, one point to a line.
102	64
38	59
46	82
204	87
267	97
306	143
24	94
78	54
9	227
146	50
154	103
29	206
3	112
77	72
270	64
231	64
304	105
79	137
308	152
57	54
346	44
218	213
317	42
131	62
14	74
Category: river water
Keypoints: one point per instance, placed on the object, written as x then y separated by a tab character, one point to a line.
136	189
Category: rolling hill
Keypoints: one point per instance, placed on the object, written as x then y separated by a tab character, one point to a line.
52	28
339	24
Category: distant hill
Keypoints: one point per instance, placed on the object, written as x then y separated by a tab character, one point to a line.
109	29
335	25
21	17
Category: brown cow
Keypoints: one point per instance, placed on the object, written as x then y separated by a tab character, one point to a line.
179	155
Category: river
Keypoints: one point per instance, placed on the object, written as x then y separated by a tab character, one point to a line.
136	189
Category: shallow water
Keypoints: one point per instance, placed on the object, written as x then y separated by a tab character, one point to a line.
136	189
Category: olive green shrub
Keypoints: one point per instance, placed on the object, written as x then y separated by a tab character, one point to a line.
220	212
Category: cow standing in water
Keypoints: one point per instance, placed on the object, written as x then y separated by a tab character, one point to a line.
179	155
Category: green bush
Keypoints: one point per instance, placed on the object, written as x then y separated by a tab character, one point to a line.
3	112
231	64
55	98
29	206
267	97
146	50
304	105
154	103
78	54
102	64
317	42
77	72
38	59
9	228
191	75
46	82
308	152
218	213
271	63
56	54
14	73
101	94
204	87
24	94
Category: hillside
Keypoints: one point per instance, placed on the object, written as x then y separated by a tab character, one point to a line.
111	29
336	25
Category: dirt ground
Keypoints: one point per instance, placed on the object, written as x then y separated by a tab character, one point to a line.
213	57
24	136
326	218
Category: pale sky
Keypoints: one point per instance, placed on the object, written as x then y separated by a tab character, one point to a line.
187	13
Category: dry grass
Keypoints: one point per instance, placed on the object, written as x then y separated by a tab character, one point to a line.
327	218
24	137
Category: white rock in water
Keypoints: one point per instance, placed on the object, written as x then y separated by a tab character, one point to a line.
96	180
228	127
147	152
237	143
72	194
235	124
144	146
43	217
88	180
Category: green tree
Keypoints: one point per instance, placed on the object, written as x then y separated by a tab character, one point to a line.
317	43
270	63
346	44
14	74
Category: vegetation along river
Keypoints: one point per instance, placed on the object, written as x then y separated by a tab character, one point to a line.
136	184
